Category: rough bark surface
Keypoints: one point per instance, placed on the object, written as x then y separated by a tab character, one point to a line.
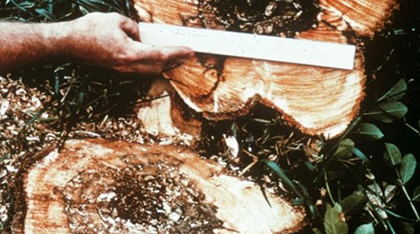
95	186
318	101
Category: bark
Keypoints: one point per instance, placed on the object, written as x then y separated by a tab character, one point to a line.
95	186
318	101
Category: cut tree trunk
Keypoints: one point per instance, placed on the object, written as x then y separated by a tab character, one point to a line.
95	186
318	101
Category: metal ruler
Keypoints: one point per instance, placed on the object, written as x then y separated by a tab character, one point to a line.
271	48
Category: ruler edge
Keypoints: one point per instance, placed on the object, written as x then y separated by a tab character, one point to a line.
350	49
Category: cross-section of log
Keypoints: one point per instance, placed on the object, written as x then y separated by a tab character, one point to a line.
318	101
94	186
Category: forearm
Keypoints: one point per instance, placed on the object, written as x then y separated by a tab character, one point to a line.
105	40
23	44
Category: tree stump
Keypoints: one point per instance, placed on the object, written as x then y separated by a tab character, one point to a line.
98	186
95	186
318	101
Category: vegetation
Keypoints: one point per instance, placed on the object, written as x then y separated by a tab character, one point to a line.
365	182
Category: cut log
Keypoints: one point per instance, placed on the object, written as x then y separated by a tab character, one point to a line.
318	101
165	115
95	186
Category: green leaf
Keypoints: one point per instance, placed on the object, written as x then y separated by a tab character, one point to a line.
392	155
273	166
316	231
408	167
398	216
407	228
83	10
396	92
354	202
365	229
370	131
334	220
387	111
18	5
360	154
345	149
45	14
416	194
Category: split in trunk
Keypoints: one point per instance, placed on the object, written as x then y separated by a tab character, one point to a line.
165	115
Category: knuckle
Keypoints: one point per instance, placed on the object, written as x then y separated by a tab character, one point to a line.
119	17
124	56
125	20
163	56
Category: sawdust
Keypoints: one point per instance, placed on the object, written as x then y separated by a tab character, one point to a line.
279	17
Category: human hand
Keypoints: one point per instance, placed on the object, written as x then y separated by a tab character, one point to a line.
112	40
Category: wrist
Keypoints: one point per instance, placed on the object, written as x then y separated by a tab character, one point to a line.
58	40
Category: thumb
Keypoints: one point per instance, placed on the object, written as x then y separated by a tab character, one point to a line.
131	28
